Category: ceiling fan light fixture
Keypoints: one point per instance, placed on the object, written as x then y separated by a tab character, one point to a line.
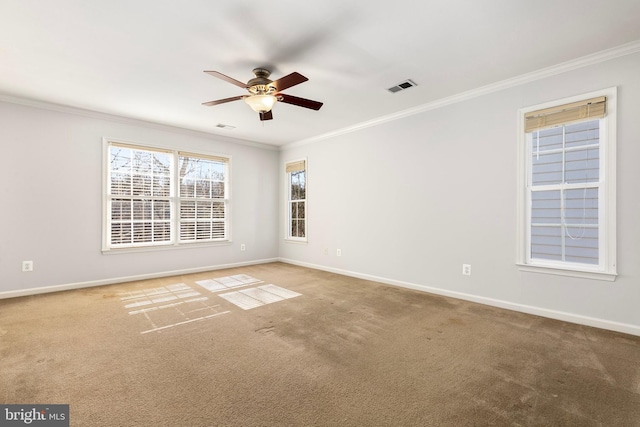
261	103
264	93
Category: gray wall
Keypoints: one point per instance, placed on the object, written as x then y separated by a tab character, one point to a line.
51	192
409	201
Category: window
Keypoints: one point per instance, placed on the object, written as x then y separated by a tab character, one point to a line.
567	187
203	203
158	197
296	200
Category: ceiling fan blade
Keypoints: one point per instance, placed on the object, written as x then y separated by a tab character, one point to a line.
288	81
222	101
227	79
266	115
300	102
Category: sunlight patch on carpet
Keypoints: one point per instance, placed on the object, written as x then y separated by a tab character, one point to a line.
250	298
170	306
228	282
158	295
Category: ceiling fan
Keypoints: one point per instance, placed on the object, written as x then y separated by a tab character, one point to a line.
264	93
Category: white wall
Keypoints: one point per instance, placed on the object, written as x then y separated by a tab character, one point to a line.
409	201
45	151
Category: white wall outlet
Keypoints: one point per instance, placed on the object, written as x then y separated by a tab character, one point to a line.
466	269
338	252
27	266
242	247
325	251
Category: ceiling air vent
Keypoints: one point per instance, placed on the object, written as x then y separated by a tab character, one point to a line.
223	126
402	86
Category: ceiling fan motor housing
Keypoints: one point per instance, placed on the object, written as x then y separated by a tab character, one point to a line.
260	84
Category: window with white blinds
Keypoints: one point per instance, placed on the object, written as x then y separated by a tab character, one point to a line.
568	205
203	197
156	197
296	200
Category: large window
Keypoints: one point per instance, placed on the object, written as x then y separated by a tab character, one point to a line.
156	197
567	185
296	200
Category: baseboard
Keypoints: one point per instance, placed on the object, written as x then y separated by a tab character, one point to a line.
538	311
114	280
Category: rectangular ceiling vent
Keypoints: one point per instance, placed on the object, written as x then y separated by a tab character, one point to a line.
402	86
223	126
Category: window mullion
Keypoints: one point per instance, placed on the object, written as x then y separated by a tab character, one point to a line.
175	200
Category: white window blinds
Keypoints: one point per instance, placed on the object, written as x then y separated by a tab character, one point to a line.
203	197
138	194
164	197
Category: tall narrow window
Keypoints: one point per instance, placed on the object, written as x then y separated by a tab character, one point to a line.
568	203
296	200
157	197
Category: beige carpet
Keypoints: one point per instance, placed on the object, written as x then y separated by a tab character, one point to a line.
317	349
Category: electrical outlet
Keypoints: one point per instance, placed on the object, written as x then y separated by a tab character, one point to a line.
466	269
27	266
326	251
338	252
242	247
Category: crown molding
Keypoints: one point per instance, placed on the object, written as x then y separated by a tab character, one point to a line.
130	121
585	61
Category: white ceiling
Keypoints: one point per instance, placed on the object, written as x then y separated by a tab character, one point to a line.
145	59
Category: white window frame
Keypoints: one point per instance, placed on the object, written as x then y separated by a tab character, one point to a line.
173	198
209	219
288	237
607	269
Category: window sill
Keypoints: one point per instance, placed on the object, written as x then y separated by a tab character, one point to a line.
298	241
582	274
115	251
